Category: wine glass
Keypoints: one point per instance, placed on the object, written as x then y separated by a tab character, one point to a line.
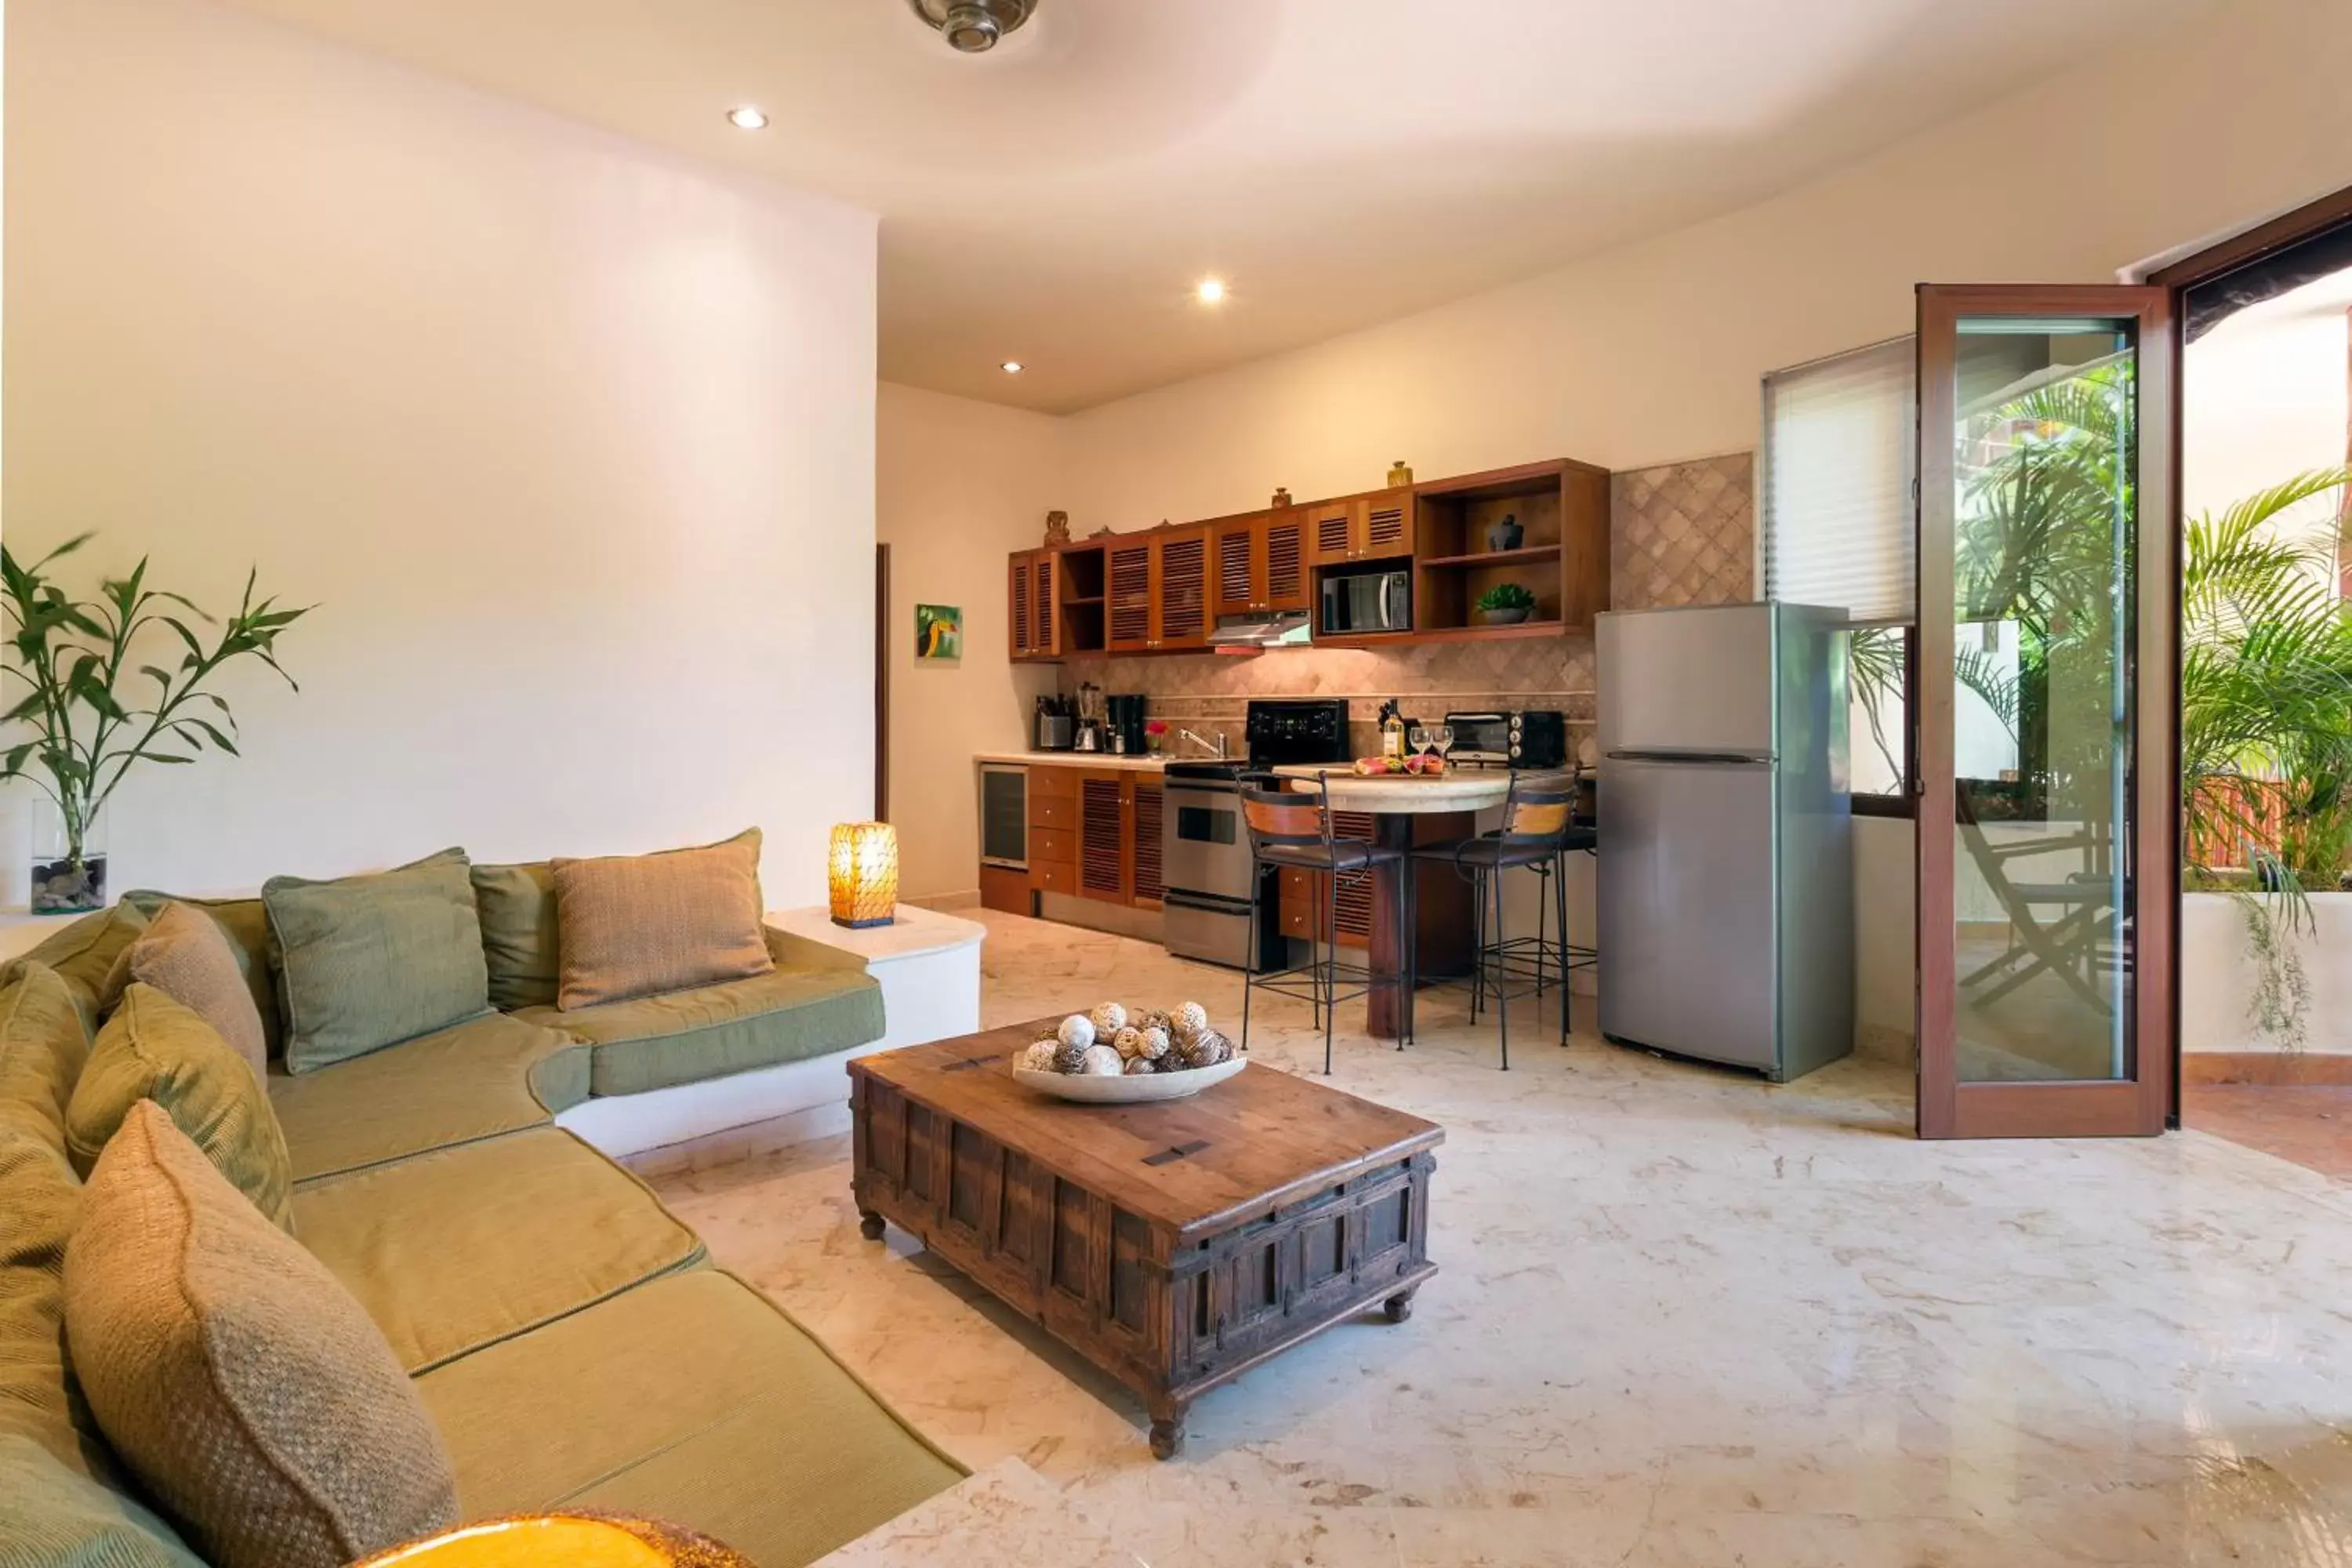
1416	740
1441	740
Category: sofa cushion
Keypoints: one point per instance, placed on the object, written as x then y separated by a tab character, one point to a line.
455	1250
808	1005
516	906
367	962
243	1384
487	1076
155	1049
85	952
634	925
185	954
246	923
709	1407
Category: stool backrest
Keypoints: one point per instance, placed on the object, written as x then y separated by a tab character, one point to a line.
1283	817
1539	805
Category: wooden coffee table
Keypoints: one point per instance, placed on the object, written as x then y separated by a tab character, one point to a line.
1174	1246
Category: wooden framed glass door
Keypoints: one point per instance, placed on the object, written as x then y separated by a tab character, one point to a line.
2044	706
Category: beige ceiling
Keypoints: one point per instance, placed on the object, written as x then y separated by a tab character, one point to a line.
1340	162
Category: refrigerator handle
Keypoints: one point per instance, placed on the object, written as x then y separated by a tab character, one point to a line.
1715	759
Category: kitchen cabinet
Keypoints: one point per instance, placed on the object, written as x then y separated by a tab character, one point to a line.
1094	833
1036	610
1359	528
1353	918
1258	563
1158	587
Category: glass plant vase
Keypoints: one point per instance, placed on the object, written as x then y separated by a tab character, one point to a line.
64	883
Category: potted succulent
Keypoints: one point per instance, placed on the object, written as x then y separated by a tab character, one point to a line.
71	656
1506	604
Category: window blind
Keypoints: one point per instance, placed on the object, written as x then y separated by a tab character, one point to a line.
1841	450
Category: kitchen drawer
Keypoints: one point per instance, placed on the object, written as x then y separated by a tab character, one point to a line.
1055	844
1059	812
1299	905
1058	781
1054	877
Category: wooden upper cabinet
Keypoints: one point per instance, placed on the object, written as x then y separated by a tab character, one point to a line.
1359	528
1033	605
1179	599
1236	565
1129	580
1018	609
1286	586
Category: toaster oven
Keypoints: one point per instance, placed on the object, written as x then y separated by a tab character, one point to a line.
1520	738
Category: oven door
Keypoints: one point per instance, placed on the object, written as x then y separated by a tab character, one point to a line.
1481	737
1204	848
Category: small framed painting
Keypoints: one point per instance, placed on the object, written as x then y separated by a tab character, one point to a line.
939	631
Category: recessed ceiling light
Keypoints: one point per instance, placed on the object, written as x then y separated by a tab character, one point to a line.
746	118
1212	291
1012	367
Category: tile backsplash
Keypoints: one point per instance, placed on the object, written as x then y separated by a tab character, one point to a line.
1682	533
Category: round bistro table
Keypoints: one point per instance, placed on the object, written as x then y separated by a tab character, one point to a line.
1409	811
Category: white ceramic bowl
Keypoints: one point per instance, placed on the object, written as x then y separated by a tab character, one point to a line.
1130	1089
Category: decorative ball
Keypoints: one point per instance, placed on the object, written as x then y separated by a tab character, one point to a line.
1128	1043
1039	1057
1101	1061
1068	1057
1155	1042
1151	1019
1139	1064
1077	1029
1206	1048
1109	1018
1189	1017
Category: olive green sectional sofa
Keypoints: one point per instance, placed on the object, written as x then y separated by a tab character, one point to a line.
569	1335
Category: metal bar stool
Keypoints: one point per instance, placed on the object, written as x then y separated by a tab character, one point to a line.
1292	832
1538	832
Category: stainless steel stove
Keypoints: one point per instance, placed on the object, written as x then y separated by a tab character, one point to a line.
1212	884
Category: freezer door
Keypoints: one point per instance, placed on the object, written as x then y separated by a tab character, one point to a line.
1688	680
1686	908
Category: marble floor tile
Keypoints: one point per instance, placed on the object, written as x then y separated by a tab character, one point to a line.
1682	1317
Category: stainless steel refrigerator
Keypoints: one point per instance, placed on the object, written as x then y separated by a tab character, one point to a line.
1726	886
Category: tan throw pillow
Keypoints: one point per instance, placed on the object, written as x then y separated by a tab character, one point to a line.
237	1378
184	954
631	925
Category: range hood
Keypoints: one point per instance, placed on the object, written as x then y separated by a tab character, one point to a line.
1254	634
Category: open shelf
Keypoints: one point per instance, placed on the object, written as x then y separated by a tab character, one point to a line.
1524	555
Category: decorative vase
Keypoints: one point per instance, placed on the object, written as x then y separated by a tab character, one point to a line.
1510	617
61	884
1057	527
1505	532
1400	474
1282	496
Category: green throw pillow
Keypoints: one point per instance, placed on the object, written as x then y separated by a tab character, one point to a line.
517	904
86	953
368	962
153	1048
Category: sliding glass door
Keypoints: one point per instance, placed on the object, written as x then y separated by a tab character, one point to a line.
2045	709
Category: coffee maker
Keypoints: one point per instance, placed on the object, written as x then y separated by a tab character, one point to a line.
1124	728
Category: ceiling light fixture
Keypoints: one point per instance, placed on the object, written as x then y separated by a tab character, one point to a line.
973	27
746	118
1212	291
1012	367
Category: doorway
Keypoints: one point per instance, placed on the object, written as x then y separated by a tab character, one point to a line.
2266	690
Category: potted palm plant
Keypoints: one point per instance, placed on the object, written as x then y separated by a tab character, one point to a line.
1506	604
95	712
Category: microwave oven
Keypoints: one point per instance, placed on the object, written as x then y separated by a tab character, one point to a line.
1528	738
1366	602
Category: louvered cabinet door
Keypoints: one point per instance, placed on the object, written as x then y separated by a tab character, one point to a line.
1019	611
1148	883
1128	568
1236	569
1103	840
1352	916
1043	607
1285	584
1387	526
1181	603
1332	536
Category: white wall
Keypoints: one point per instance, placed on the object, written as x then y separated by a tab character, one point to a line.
2268	394
1652	354
960	486
571	441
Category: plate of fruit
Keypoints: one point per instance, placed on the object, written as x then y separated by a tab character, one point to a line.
1420	764
1111	1055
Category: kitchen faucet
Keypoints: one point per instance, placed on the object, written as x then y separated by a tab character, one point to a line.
1219	748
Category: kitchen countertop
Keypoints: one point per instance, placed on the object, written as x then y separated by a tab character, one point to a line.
1129	764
